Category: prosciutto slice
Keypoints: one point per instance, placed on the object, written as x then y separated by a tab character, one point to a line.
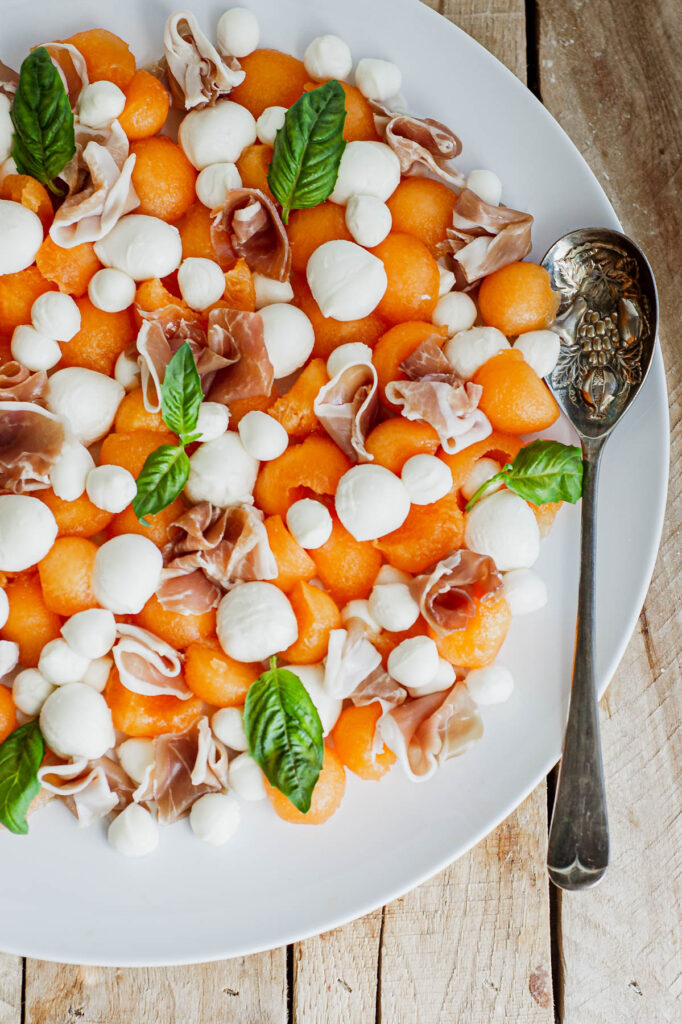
8	80
198	75
425	732
238	338
73	70
421	144
20	385
31	439
249	226
351	658
484	238
347	408
148	665
448	592
90	789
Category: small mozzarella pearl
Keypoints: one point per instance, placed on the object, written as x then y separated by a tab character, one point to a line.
136	757
414	662
228	727
127	371
4	608
9	656
367	169
217	134
486	185
126	574
111	290
28	530
111	488
238	32
56	315
97	673
540	350
100	103
289	337
70	471
88	400
503	527
484	469
215	181
491	685
443	680
393	607
359	609
378	79
346	281
213	421
524	591
201	282
310	523
268	291
91	633
214	818
254	621
426	478
387	574
469	349
269	123
246	778
34	350
30	690
328	56
133	832
76	722
22	235
371	502
221	471
263	436
60	664
447	281
327	707
351	353
142	246
456	311
368	220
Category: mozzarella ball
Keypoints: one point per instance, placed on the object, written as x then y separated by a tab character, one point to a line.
368	220
393	607
9	656
60	664
28	530
201	282
70	471
483	470
388	574
6	128
447	280
469	349
504	527
443	680
490	685
91	633
212	421
127	371
97	673
238	32
263	436
214	818
141	246
426	478
216	134
34	350
328	707
328	57
30	690
268	290
255	621
111	290
100	103
56	315
87	400
246	778
222	472
350	354
136	757
269	123
4	607
310	523
359	609
215	181
414	662
126	574
524	591
371	502
456	311
378	79
133	832
21	235
540	349
111	488
487	185
366	169
289	337
346	281
228	727
76	722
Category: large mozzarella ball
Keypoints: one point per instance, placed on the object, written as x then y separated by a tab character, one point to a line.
328	707
141	246
490	685
378	79
456	311
524	591
486	185
87	400
76	722
366	169
289	337
34	350
28	530
214	818
246	778
111	290
263	436
126	574
228	727
503	527
269	290
346	281
60	664
215	181
309	522
414	662
21	235
56	315
255	620
371	502
368	220
216	134
100	103
222	472
111	488
468	350
91	633
134	832
426	478
30	690
269	123
201	282
70	471
540	349
238	32
326	57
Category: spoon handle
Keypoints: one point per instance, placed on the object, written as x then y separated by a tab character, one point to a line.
578	851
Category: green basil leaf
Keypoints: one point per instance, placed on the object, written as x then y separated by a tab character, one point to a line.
163	476
284	733
44	139
547	471
308	149
20	757
181	393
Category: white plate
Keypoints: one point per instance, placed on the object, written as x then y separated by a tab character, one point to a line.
67	896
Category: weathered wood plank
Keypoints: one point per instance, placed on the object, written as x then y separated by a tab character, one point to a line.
10	988
499	25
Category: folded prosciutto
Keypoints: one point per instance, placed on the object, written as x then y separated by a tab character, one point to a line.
351	658
90	789
249	226
198	75
148	665
446	593
238	338
421	144
347	408
31	439
17	384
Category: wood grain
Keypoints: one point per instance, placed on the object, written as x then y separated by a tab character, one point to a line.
10	988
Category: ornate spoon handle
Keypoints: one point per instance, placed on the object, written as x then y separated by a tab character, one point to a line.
578	852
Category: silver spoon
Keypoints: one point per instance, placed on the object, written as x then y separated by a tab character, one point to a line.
607	323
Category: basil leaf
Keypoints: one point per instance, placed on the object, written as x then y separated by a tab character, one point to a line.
20	757
181	393
163	476
284	733
542	471
308	149
44	139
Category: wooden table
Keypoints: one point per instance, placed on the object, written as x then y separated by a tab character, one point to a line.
488	940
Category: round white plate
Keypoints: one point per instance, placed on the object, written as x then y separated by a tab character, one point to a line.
67	895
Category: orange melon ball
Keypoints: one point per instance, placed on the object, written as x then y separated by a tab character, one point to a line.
163	178
515	399
177	630
422	207
106	55
195	233
66	575
413	279
8	715
216	677
101	338
309	229
253	165
18	292
273	79
30	624
327	795
353	737
147	105
518	298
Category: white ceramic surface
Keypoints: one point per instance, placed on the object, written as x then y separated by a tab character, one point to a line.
66	895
